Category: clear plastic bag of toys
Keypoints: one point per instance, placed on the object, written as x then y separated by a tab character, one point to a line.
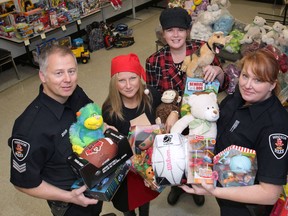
236	166
141	138
200	160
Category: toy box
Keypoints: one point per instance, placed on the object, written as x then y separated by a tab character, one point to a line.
169	159
106	189
141	139
90	172
236	166
194	85
200	160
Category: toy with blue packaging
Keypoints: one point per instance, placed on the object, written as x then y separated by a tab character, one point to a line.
236	166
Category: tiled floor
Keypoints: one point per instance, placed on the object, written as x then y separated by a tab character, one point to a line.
93	77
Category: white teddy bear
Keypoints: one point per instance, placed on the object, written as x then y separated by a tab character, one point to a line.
204	114
255	30
283	41
272	36
202	27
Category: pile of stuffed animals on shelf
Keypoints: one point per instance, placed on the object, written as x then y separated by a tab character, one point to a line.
208	18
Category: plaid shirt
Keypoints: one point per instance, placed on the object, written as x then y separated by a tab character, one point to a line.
161	72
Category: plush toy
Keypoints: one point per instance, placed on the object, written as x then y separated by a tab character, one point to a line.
224	24
271	37
88	127
283	41
221	3
255	30
205	55
233	46
176	3
201	31
203	117
202	27
170	98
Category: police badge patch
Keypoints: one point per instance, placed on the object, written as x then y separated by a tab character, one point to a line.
20	149
278	144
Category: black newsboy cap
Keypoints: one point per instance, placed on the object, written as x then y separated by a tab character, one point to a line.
175	17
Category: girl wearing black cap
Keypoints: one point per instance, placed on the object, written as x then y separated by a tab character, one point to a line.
163	67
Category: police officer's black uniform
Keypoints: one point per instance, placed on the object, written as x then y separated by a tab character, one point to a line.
40	146
260	127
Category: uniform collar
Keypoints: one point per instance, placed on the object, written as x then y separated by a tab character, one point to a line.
55	107
258	109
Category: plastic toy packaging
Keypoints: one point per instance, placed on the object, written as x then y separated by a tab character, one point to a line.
141	139
200	160
169	159
236	166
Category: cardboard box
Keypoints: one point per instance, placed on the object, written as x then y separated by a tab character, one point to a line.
92	175
106	189
194	85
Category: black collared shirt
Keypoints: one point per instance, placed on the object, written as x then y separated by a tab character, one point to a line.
261	127
40	141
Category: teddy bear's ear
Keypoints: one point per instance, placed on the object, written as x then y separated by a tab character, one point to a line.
191	99
213	96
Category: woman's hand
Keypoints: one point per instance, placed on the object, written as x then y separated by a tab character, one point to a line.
199	189
213	72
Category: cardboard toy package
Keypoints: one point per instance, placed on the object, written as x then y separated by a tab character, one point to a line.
194	85
169	159
141	139
236	166
101	158
106	189
200	160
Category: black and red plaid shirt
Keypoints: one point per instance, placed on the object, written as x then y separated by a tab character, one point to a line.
162	74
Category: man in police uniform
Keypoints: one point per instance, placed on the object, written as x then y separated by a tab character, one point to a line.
40	140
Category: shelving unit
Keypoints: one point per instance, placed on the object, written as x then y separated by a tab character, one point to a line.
19	47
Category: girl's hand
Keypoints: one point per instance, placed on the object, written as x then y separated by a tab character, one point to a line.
212	72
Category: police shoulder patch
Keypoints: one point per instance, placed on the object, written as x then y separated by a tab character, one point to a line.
278	144
20	149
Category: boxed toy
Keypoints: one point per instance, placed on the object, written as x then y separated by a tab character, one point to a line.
141	139
101	158
200	160
169	159
194	85
236	166
106	189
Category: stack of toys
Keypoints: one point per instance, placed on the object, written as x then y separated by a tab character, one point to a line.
236	166
98	160
141	139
